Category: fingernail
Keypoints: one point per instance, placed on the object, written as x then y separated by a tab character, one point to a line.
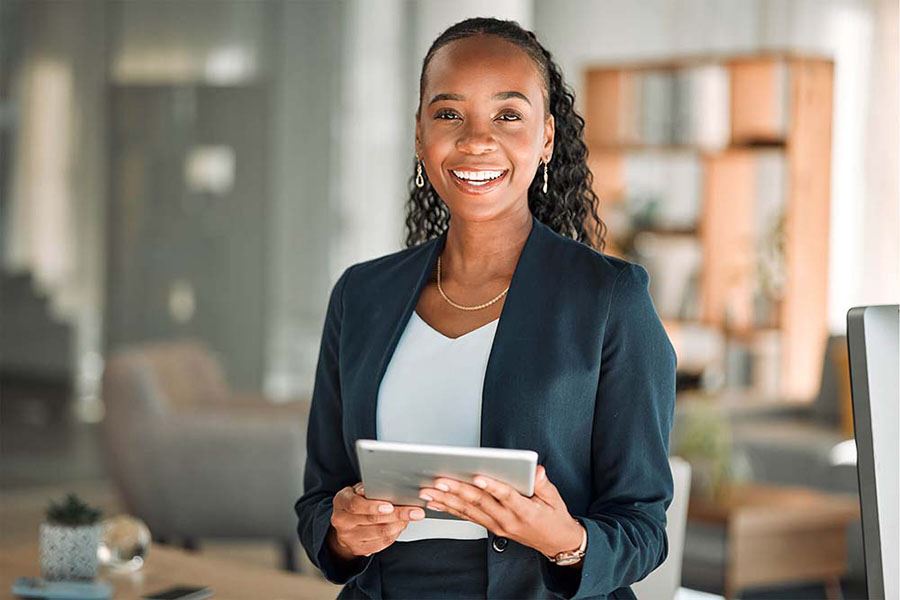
417	514
425	496
436	508
443	487
480	483
386	508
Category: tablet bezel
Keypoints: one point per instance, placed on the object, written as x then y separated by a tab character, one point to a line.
513	466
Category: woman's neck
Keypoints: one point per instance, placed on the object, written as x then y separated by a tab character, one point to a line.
479	251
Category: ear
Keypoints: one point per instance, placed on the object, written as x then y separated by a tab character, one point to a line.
549	134
418	143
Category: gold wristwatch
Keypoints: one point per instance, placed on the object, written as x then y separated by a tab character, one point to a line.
570	557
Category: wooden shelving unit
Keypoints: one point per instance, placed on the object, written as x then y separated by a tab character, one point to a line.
758	128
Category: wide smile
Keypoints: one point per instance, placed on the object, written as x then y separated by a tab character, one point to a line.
477	182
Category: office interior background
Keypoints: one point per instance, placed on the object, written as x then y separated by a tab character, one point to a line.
181	183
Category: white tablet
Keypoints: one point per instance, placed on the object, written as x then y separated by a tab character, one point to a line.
396	471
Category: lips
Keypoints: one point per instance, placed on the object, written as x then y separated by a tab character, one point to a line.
477	187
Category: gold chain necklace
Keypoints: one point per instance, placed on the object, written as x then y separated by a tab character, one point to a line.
460	306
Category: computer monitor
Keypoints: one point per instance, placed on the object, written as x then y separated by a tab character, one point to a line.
873	338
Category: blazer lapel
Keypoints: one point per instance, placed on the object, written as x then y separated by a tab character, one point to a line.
519	323
517	345
395	311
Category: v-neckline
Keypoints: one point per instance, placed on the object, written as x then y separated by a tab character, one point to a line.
454	339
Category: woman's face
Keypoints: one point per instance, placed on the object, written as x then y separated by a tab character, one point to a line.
482	117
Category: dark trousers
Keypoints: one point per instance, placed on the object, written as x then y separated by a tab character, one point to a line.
433	568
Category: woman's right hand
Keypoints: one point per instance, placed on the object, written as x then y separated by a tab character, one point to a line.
359	528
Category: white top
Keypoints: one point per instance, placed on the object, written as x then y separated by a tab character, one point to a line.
431	394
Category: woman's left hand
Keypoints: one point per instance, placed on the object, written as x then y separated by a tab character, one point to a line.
541	522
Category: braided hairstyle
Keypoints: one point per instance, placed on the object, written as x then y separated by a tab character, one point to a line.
570	200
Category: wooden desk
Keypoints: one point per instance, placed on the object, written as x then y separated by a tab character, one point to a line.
780	534
168	566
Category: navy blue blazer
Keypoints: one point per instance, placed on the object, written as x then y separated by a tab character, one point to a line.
581	371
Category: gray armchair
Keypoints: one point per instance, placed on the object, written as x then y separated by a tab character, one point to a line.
192	459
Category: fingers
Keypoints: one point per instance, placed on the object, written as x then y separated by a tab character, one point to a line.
410	513
400	514
370	547
386	532
367	540
506	495
362	527
471	503
545	490
360	505
357	510
453	505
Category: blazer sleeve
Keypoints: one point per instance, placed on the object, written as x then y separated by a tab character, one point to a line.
328	468
632	479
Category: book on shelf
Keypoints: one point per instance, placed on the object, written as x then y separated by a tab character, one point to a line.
673	107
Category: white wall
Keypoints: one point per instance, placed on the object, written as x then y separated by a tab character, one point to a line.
303	219
369	176
432	17
881	209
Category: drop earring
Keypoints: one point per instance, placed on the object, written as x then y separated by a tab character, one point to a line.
545	176
420	181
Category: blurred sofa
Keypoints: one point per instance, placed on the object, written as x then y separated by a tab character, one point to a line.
195	460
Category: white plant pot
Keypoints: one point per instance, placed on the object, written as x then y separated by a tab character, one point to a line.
69	552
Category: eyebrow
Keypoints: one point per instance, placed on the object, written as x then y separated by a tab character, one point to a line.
498	96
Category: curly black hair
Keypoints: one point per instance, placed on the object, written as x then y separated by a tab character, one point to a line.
570	199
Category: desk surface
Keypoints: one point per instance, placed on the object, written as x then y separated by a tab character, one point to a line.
779	534
167	566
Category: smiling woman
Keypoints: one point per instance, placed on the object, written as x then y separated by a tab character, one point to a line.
484	57
502	326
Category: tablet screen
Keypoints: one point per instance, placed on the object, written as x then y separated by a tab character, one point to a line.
396	471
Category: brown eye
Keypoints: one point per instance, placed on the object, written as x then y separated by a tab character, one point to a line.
514	116
443	113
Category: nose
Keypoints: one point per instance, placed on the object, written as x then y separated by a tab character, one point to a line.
476	139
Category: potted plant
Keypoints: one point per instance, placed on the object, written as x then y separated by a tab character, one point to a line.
704	440
68	540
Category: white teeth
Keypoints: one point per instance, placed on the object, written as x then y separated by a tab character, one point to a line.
478	175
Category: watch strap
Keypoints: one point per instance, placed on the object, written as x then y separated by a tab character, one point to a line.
567	556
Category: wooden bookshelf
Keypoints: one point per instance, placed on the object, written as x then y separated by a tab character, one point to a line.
760	127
